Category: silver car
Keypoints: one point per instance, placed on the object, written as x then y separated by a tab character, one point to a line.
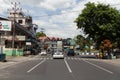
58	54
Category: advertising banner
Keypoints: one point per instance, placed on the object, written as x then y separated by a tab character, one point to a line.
17	38
28	43
5	25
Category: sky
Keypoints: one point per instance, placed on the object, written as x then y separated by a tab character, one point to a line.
56	17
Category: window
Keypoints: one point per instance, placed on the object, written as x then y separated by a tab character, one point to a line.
20	21
8	44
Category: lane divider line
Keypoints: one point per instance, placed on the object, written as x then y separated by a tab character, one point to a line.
36	66
69	69
99	67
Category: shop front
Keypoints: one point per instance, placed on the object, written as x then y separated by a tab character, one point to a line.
19	45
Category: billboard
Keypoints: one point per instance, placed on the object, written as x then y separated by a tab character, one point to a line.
17	38
5	25
28	43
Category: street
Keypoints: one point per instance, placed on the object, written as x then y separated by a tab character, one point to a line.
69	68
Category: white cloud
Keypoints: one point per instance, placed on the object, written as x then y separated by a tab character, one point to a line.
3	6
57	4
28	2
61	25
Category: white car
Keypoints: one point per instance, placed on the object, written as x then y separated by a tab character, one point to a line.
43	53
58	54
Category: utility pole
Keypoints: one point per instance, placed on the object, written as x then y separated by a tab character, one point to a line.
15	8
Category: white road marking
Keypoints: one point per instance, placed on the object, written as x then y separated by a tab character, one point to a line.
47	58
36	66
51	58
69	69
76	58
99	67
79	58
68	58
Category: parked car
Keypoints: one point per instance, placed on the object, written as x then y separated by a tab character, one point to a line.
117	53
71	53
26	52
43	52
34	51
58	55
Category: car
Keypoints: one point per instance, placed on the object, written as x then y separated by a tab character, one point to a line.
43	53
34	51
26	52
105	55
58	55
71	53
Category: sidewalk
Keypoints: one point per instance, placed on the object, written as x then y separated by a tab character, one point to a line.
16	58
12	60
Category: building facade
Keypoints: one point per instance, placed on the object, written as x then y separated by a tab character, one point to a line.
22	35
49	43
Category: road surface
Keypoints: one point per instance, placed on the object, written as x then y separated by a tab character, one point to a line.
69	68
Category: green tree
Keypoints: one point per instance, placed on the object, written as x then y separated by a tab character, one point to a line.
100	22
39	34
82	42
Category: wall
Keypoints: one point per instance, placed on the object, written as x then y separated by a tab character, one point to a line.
10	51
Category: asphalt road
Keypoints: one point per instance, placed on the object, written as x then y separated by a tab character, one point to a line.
70	68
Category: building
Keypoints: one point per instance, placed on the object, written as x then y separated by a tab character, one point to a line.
49	43
22	35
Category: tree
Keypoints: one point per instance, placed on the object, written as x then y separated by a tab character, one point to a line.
100	22
39	34
82	41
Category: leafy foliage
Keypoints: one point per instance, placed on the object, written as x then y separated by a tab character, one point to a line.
39	34
82	41
100	22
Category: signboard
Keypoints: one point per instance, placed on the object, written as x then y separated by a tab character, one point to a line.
71	47
17	38
28	43
20	38
5	25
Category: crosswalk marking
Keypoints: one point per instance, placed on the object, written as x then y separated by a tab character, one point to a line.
50	58
66	58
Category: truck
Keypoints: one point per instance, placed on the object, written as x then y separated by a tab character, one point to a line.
60	45
71	51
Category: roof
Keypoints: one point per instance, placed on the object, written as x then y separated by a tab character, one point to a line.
43	38
3	19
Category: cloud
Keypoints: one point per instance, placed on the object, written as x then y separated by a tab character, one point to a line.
3	7
26	2
55	16
57	4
